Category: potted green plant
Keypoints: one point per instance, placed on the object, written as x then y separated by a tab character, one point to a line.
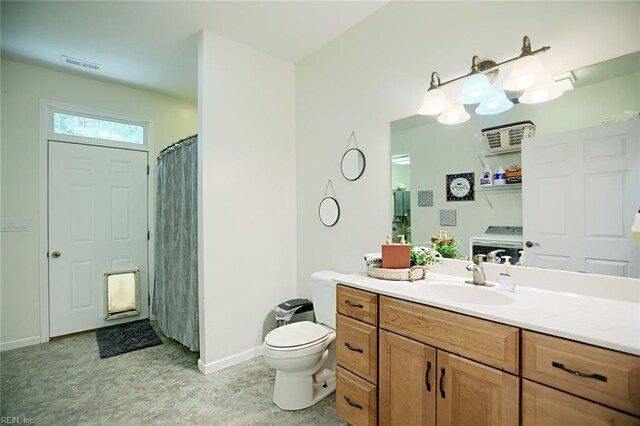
424	256
446	246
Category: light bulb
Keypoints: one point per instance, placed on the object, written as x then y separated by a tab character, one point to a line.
435	101
541	92
456	114
539	95
495	105
476	88
525	81
527	71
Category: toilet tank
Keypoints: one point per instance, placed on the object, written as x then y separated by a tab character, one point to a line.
323	294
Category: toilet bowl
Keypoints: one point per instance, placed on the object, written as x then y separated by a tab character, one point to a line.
304	353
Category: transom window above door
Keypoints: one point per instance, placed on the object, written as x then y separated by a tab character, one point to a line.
77	125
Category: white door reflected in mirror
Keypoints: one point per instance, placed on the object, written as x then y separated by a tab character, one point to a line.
329	211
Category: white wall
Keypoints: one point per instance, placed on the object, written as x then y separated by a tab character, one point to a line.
22	88
247	205
378	72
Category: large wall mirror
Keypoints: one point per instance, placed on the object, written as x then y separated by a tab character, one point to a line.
424	152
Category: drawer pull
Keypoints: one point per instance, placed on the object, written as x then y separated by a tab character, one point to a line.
353	404
353	349
426	376
578	373
442	383
353	305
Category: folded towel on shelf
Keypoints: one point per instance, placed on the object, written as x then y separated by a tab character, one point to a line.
373	259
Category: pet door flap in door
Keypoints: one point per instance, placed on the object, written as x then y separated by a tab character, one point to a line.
122	293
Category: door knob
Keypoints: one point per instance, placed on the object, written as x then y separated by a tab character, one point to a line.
530	244
56	254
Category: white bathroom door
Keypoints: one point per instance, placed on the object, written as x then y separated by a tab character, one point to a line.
580	192
97	223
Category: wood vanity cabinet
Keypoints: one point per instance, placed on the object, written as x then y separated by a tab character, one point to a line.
357	356
417	381
423	384
436	367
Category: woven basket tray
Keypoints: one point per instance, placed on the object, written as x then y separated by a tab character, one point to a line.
409	274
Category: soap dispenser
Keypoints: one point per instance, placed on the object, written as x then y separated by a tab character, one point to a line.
505	282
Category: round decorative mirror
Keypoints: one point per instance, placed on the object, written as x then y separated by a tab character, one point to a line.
353	164
329	211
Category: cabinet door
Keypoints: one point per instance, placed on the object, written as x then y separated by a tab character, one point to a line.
543	406
469	393
407	382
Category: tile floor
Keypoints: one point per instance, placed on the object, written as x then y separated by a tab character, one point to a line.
64	382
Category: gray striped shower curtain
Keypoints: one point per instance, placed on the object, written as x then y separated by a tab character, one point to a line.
175	296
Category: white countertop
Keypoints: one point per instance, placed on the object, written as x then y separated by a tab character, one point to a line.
604	322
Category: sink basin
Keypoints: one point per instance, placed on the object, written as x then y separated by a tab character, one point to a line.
472	294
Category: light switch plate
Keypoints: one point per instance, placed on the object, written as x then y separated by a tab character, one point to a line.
15	224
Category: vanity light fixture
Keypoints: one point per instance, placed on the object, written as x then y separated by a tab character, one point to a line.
528	77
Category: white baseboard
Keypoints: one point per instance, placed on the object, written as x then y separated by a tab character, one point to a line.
20	343
229	361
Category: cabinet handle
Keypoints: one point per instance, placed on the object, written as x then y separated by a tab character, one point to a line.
353	404
426	376
578	373
353	349
442	383
353	305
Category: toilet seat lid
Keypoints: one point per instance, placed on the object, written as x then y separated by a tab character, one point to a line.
296	334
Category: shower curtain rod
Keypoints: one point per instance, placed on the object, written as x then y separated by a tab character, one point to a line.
176	143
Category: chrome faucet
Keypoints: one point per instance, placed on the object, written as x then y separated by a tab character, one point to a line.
493	257
478	272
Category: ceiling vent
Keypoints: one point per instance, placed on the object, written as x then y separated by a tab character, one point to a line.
79	63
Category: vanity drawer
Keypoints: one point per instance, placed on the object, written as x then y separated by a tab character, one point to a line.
487	342
609	377
356	399
544	406
358	304
357	347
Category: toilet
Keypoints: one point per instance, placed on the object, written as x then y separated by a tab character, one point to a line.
304	353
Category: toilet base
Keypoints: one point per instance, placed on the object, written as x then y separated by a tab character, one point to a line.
297	392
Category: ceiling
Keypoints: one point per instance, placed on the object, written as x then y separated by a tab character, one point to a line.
153	45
